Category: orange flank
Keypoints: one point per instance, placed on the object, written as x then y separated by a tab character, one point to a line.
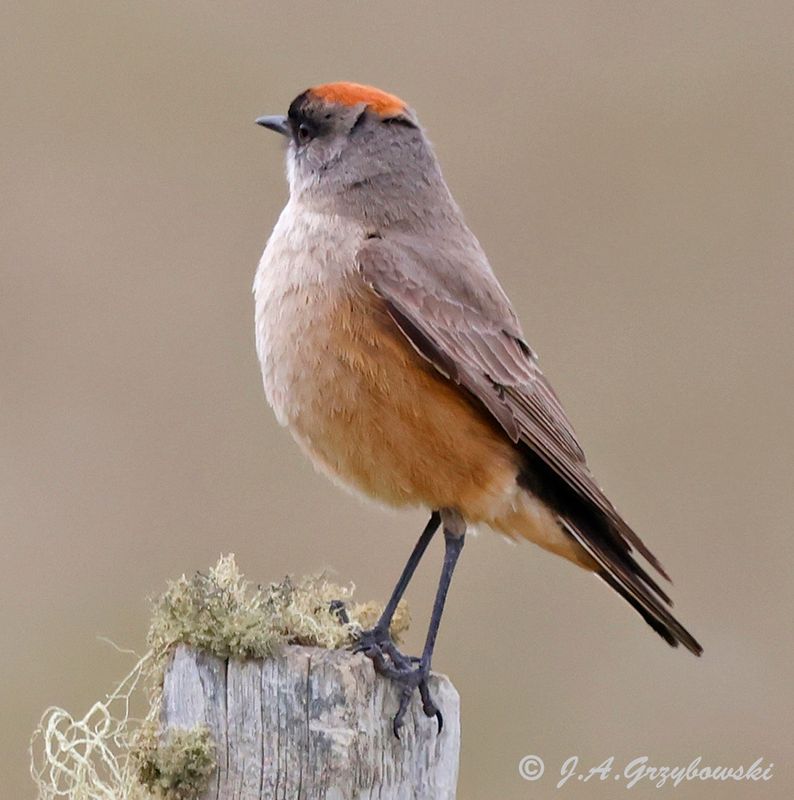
351	94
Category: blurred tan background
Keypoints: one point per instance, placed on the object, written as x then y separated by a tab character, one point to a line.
629	168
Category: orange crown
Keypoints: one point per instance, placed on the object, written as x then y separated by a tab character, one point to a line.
351	94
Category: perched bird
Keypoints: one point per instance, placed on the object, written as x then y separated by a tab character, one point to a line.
392	354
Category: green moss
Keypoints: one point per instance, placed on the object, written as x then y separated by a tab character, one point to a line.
219	612
224	613
177	768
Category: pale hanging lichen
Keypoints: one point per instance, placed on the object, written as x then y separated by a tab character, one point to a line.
110	755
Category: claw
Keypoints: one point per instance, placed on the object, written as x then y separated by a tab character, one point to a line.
428	706
405	698
338	607
407	671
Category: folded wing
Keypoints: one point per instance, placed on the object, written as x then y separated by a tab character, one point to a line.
452	310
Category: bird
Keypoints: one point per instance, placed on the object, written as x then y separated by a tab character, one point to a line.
392	354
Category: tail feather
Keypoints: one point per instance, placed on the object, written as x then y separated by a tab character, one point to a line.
619	570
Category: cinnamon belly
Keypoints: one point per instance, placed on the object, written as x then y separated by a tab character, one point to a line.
375	415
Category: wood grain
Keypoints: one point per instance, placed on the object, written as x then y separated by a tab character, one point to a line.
312	724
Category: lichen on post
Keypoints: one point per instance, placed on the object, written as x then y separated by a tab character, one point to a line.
253	694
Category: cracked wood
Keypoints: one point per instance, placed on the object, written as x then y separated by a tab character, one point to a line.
311	724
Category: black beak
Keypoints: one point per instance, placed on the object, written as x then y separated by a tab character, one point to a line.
276	123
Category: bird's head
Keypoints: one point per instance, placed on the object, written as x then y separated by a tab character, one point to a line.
346	135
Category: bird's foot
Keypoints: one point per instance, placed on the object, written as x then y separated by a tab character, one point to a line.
408	672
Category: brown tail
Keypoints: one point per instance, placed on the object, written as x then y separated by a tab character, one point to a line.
619	570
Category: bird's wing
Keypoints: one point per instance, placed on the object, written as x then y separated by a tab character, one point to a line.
453	311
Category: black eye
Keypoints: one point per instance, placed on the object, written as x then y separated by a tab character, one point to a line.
305	133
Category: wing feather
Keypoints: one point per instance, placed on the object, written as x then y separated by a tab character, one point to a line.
472	336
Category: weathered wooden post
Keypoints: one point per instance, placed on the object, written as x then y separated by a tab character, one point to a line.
311	724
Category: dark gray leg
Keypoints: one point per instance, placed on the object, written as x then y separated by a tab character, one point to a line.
388	660
380	633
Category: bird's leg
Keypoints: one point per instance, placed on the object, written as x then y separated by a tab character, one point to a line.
454	536
377	641
402	670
